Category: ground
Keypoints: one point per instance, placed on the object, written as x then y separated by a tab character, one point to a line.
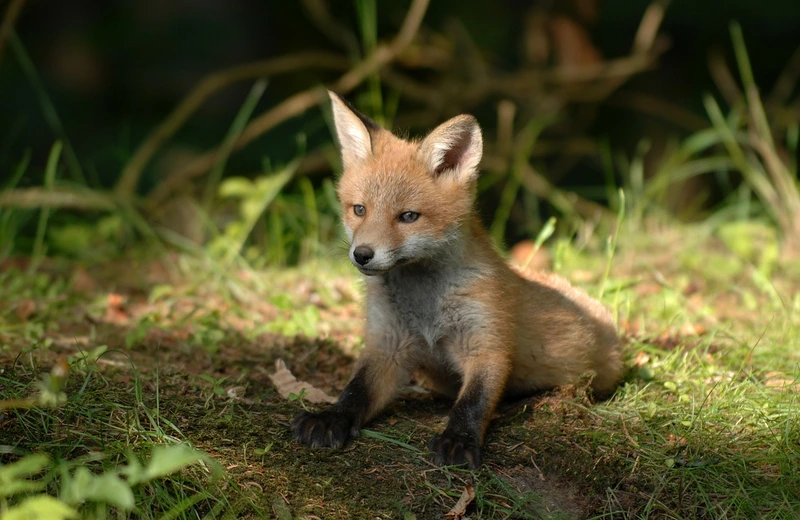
703	426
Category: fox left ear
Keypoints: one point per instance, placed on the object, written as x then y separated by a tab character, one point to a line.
454	146
354	131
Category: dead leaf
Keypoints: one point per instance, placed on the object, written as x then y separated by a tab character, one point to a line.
460	509
691	329
116	300
628	327
571	43
287	384
236	392
83	282
525	256
25	309
674	440
20	264
780	381
641	359
115	308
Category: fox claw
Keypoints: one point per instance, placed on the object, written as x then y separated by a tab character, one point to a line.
326	429
454	449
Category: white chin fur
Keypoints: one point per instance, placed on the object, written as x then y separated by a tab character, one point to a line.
370	272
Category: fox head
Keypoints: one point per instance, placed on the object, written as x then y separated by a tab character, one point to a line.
404	201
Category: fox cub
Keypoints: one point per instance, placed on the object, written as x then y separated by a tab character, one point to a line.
440	300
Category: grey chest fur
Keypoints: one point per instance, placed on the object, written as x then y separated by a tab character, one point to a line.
429	303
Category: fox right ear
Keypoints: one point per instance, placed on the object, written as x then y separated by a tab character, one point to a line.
455	146
354	131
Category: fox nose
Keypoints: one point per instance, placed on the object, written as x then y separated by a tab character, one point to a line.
363	254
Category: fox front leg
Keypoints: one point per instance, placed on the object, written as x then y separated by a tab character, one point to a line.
373	386
460	442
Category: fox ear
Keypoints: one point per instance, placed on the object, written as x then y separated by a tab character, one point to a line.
354	131
455	146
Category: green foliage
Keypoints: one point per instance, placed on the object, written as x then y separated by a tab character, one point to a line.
611	243
14	477
82	492
164	461
300	322
89	240
49	180
299	397
523	149
216	387
39	507
747	136
752	242
139	331
233	134
9	219
254	197
107	488
207	332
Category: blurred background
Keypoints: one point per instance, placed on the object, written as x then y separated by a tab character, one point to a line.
199	121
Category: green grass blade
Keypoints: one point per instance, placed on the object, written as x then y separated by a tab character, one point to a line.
503	212
41	227
523	149
48	108
755	177
239	122
546	232
611	247
375	435
311	240
751	89
367	12
185	506
20	170
266	190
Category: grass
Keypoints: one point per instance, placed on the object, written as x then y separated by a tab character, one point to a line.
704	425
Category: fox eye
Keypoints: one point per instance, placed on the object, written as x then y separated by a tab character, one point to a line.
408	217
359	210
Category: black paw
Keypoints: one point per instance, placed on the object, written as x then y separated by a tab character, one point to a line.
326	429
454	449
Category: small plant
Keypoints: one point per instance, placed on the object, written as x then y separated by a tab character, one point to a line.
50	390
80	490
749	139
216	387
263	451
254	197
299	398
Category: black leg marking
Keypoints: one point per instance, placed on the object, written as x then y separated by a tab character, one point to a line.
338	424
460	442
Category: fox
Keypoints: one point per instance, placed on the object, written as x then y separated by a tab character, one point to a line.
440	301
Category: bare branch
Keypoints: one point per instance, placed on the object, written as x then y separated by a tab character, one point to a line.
34	198
10	18
302	101
648	27
533	181
207	87
321	16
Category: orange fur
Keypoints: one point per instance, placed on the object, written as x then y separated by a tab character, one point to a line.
440	299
